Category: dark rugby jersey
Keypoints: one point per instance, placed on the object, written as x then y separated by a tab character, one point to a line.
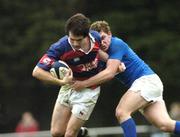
83	65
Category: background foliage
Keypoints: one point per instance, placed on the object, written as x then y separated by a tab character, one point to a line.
27	28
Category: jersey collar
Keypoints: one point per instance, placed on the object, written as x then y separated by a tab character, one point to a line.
92	44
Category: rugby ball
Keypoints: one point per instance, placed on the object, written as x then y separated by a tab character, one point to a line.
59	69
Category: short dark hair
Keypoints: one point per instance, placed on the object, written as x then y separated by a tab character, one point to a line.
78	24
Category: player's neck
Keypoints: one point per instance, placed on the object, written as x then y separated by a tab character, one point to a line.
87	45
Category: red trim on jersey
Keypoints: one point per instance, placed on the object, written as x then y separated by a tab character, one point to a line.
96	46
71	54
46	60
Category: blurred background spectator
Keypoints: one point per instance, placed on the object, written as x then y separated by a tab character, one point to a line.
175	110
27	123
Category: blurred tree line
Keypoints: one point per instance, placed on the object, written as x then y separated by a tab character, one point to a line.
27	28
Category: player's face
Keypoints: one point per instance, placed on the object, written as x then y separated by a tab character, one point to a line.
105	40
78	42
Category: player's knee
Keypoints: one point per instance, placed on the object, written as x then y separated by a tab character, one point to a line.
70	133
56	133
121	114
165	127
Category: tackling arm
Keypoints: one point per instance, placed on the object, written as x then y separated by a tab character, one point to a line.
103	55
103	76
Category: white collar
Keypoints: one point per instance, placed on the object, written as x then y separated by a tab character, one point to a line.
92	43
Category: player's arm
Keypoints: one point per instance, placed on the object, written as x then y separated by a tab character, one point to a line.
103	55
46	77
108	73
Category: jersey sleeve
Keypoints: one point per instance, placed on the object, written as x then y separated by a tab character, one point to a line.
117	49
96	35
51	55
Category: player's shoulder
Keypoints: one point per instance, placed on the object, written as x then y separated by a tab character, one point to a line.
95	35
118	42
60	44
61	41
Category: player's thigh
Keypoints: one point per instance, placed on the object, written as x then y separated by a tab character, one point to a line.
131	101
143	90
60	117
74	124
157	114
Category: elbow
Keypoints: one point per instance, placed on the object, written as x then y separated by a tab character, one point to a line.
35	72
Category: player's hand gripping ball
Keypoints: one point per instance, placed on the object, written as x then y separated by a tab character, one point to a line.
59	69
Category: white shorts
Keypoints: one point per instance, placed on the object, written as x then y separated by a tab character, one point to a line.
149	86
81	103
